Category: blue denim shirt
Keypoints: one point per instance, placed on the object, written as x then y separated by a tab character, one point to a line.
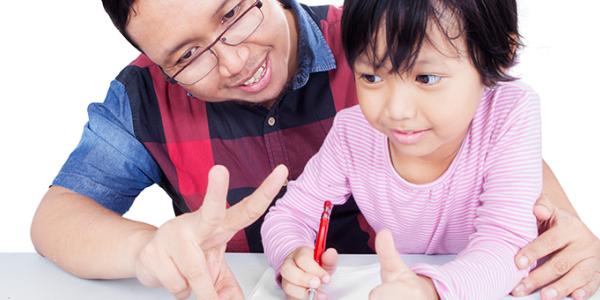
112	167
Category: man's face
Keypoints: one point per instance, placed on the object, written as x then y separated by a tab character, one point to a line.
169	31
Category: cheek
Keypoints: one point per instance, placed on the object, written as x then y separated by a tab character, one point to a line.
371	104
270	30
206	89
452	116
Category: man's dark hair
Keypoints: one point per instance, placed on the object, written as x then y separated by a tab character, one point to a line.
489	27
119	11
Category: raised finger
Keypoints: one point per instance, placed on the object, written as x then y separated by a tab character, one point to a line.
392	266
254	206
212	211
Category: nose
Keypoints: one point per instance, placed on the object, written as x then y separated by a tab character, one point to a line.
232	59
402	104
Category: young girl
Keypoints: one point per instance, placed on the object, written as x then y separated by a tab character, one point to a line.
443	150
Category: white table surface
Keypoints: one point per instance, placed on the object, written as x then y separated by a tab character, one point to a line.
29	276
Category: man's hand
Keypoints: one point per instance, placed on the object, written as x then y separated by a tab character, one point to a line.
398	281
185	255
300	272
572	254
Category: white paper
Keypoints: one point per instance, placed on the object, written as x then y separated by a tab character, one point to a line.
348	283
351	282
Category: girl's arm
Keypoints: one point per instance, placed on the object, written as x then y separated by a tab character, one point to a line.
293	221
504	222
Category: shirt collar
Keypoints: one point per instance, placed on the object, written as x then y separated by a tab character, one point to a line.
314	54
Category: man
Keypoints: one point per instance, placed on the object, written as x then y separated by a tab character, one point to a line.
169	117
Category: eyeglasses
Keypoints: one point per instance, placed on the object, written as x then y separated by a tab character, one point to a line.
200	63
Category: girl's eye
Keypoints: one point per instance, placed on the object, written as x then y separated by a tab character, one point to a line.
230	15
370	78
428	79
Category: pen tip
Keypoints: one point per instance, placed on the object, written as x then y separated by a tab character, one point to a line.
311	294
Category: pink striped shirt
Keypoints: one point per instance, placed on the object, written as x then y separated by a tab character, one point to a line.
480	208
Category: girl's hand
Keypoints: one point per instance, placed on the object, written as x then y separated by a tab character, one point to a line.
398	281
300	272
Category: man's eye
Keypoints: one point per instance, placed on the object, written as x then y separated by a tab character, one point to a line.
189	53
428	79
370	78
230	15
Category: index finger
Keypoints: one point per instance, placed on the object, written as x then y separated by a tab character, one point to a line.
304	259
254	206
392	266
545	244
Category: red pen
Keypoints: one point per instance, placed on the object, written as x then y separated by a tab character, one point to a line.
322	234
321	237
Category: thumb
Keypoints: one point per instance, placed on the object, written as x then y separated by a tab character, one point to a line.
543	209
392	266
212	210
329	260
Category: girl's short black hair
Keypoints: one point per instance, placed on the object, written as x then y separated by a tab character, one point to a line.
489	27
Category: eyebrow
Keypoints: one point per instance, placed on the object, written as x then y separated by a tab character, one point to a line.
424	61
171	50
362	60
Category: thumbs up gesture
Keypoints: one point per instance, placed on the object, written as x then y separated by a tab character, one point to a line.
398	281
185	255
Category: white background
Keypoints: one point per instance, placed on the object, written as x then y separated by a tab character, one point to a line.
58	56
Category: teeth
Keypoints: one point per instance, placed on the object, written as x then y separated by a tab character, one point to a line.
254	79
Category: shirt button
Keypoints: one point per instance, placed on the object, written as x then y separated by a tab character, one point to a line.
271	121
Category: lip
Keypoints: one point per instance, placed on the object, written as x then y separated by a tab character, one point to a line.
406	137
262	82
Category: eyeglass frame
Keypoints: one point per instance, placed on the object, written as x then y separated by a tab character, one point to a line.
171	78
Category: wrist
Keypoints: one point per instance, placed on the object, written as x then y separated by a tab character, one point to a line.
136	241
429	287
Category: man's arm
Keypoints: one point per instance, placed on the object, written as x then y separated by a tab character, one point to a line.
184	255
86	239
554	193
571	252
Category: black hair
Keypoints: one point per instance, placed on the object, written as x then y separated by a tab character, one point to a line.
119	12
489	27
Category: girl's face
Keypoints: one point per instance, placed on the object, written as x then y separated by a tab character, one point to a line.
425	112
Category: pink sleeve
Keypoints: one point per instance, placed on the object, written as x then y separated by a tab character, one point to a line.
294	220
505	220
